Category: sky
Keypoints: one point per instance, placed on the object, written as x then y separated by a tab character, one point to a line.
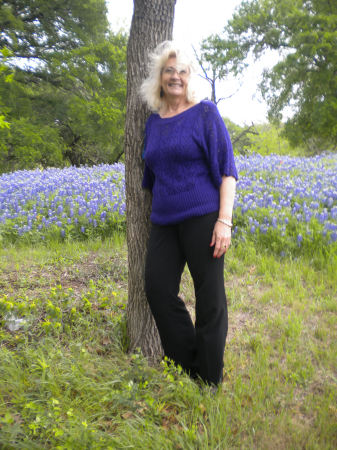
195	20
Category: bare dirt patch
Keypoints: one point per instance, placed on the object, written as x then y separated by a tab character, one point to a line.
34	279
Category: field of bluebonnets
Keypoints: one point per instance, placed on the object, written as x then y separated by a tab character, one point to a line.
287	203
67	380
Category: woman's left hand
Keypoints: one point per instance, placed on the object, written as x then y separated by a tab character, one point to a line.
221	238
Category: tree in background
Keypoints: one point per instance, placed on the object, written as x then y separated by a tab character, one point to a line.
304	32
6	76
264	139
241	136
152	23
218	59
67	100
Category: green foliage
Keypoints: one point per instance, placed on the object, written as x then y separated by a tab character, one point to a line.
225	57
304	33
218	59
27	145
69	79
32	29
240	136
264	139
6	77
3	122
269	139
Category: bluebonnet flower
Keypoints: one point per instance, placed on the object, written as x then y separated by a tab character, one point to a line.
60	196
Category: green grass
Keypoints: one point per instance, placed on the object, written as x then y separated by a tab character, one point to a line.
66	381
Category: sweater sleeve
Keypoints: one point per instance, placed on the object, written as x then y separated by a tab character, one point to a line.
148	177
216	144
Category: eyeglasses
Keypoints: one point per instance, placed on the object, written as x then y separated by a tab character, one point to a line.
171	70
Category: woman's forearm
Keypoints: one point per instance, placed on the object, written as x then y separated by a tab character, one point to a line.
227	195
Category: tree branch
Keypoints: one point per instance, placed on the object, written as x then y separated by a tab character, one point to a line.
244	132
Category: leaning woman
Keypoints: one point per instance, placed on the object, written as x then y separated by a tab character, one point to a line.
190	170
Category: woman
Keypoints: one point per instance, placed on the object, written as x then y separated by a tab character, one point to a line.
190	169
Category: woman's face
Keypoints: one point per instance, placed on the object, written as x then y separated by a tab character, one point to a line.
174	80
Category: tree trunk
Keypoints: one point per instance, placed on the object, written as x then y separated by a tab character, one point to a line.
152	23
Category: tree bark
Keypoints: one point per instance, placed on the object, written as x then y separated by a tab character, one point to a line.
152	23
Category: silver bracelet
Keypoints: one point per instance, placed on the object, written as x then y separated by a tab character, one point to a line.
225	222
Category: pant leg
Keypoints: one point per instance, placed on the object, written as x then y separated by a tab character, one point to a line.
211	306
165	263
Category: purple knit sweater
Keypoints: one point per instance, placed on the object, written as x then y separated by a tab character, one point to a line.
185	158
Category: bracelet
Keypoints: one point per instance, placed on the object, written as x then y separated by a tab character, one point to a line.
225	222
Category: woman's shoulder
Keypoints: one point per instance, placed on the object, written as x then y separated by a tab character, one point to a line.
208	113
208	107
152	117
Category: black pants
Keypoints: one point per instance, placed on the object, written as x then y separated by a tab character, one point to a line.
198	349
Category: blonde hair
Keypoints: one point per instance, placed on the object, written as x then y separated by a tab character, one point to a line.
150	89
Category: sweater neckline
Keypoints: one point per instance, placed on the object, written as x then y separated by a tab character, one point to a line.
165	119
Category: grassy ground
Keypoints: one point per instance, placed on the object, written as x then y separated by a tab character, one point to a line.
66	381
